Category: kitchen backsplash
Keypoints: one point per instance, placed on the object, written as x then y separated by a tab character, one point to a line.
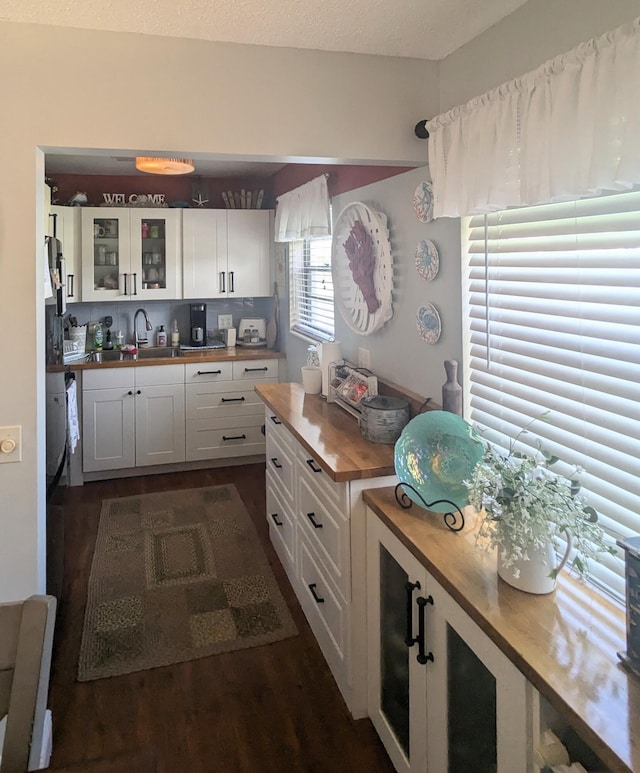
164	312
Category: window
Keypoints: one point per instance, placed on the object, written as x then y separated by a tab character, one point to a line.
311	289
552	296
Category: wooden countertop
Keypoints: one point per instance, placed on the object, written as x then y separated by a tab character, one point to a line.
565	643
330	434
209	355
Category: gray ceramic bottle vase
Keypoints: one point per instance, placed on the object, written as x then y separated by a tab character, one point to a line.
451	390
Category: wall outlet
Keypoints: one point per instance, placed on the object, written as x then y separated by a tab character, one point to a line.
225	321
364	358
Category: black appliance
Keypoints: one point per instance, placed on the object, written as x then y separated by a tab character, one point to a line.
198	326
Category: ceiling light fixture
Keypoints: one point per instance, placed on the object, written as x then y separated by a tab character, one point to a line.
164	165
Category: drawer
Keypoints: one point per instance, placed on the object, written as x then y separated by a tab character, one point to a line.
280	463
310	468
328	532
275	426
255	370
328	614
208	371
210	400
215	439
157	375
281	527
109	378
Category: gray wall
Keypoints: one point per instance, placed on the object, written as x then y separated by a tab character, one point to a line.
398	353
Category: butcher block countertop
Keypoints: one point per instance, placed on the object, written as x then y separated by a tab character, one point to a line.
565	643
330	434
186	356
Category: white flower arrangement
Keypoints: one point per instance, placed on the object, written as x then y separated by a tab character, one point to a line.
524	506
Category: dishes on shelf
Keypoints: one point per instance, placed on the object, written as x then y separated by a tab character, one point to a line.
428	323
427	260
436	451
423	202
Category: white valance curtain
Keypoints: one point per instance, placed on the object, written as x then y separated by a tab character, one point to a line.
567	129
304	212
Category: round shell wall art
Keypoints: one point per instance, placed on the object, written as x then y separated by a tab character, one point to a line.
423	203
427	260
428	323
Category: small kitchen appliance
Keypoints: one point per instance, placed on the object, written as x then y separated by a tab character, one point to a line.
198	324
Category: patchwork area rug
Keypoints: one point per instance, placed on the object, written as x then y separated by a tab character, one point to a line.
177	575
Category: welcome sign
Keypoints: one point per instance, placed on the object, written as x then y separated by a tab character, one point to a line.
134	199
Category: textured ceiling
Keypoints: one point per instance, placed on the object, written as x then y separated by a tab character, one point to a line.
424	29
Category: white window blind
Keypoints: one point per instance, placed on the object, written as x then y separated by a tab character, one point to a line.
552	295
311	289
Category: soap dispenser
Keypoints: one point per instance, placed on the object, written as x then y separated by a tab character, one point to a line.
161	337
175	334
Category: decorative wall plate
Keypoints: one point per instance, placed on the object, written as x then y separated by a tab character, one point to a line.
423	203
361	267
428	323
427	260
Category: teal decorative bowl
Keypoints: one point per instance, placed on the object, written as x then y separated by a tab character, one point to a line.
436	451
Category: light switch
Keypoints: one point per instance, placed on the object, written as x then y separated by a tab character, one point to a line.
10	444
225	321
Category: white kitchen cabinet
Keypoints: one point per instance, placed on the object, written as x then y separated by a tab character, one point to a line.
133	417
226	253
317	527
130	254
442	696
224	414
66	222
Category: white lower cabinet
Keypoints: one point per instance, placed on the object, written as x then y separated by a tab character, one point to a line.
223	412
133	417
317	527
441	695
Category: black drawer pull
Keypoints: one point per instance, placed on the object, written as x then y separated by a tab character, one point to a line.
234	437
275	420
423	657
255	370
232	400
312	464
275	462
208	372
311	517
275	519
312	588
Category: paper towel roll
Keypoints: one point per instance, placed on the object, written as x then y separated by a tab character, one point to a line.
329	352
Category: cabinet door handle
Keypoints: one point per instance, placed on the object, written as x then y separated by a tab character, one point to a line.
312	464
135	285
234	437
311	517
232	400
275	519
124	278
129	392
69	285
138	392
275	462
318	599
275	420
232	287
208	372
222	282
410	587
255	370
423	656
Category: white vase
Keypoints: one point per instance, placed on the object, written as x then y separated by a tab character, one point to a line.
532	575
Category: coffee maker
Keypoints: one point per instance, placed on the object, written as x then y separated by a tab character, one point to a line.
198	324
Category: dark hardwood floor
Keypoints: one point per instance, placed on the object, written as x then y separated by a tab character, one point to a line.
273	708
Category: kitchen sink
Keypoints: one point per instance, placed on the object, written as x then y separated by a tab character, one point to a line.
115	355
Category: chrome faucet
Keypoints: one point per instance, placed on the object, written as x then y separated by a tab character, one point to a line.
144	341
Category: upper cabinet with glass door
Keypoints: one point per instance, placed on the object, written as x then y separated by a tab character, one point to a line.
130	253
